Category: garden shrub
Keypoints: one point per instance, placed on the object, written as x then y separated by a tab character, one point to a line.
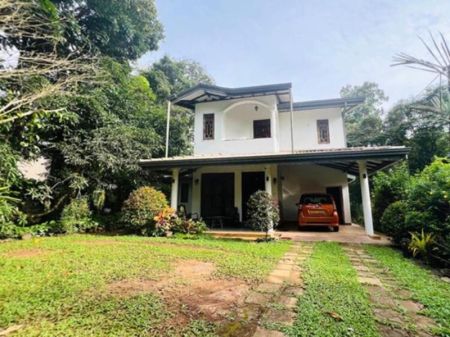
393	221
188	226
388	187
76	217
141	208
262	212
424	207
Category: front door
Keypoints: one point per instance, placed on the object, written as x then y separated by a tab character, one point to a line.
217	194
251	182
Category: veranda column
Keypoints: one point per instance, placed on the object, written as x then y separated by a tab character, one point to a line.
174	190
365	193
268	182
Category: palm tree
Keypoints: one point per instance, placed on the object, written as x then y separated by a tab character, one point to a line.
439	64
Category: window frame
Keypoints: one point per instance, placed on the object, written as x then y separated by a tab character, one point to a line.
321	124
211	120
259	121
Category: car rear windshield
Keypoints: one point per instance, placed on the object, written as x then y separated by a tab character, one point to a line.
315	199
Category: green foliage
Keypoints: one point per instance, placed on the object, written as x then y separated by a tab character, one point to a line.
76	217
189	226
422	205
121	29
98	199
388	187
421	243
393	221
262	212
363	123
141	208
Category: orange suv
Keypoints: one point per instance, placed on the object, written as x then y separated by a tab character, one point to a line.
318	209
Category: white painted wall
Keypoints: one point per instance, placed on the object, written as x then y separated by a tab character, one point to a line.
299	179
234	127
305	129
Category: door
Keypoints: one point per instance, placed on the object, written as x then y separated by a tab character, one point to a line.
251	182
217	194
336	192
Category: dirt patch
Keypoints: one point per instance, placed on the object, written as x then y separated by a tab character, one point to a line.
190	290
26	253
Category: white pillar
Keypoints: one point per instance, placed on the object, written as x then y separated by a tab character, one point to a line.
268	179
174	190
268	182
365	193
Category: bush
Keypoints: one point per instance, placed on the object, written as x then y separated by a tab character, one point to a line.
141	208
75	217
393	221
262	212
189	226
425	206
388	188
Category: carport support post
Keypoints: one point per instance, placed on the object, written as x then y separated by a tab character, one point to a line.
268	183
365	193
174	190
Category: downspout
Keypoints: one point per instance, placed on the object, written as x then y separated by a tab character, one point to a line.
167	129
292	121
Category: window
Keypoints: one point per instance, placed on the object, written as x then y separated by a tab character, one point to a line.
208	126
323	131
184	193
261	128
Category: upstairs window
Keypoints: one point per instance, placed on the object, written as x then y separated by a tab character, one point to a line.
323	131
208	126
261	128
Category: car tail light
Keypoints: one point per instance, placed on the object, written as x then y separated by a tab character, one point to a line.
335	213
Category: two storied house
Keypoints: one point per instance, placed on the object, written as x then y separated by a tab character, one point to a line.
257	138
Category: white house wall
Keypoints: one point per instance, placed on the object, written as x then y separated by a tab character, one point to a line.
305	129
233	126
299	179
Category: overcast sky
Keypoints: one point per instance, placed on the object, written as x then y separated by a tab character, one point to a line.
318	45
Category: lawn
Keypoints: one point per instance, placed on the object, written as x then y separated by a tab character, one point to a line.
334	303
85	285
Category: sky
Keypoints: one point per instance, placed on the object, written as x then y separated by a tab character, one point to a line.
320	46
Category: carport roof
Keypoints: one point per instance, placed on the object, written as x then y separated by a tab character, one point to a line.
344	159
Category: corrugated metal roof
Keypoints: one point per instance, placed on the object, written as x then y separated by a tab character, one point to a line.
344	159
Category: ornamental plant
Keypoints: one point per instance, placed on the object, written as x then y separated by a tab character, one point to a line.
164	221
141	208
262	212
76	217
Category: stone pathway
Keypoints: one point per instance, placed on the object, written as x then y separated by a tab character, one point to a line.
279	294
397	315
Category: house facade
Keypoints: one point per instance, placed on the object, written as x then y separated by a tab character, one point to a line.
257	138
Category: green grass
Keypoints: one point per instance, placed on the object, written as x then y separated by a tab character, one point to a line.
425	287
332	289
63	290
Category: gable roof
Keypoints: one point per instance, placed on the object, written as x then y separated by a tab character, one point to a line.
209	93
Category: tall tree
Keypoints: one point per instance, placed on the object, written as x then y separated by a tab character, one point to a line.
364	122
168	76
122	29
